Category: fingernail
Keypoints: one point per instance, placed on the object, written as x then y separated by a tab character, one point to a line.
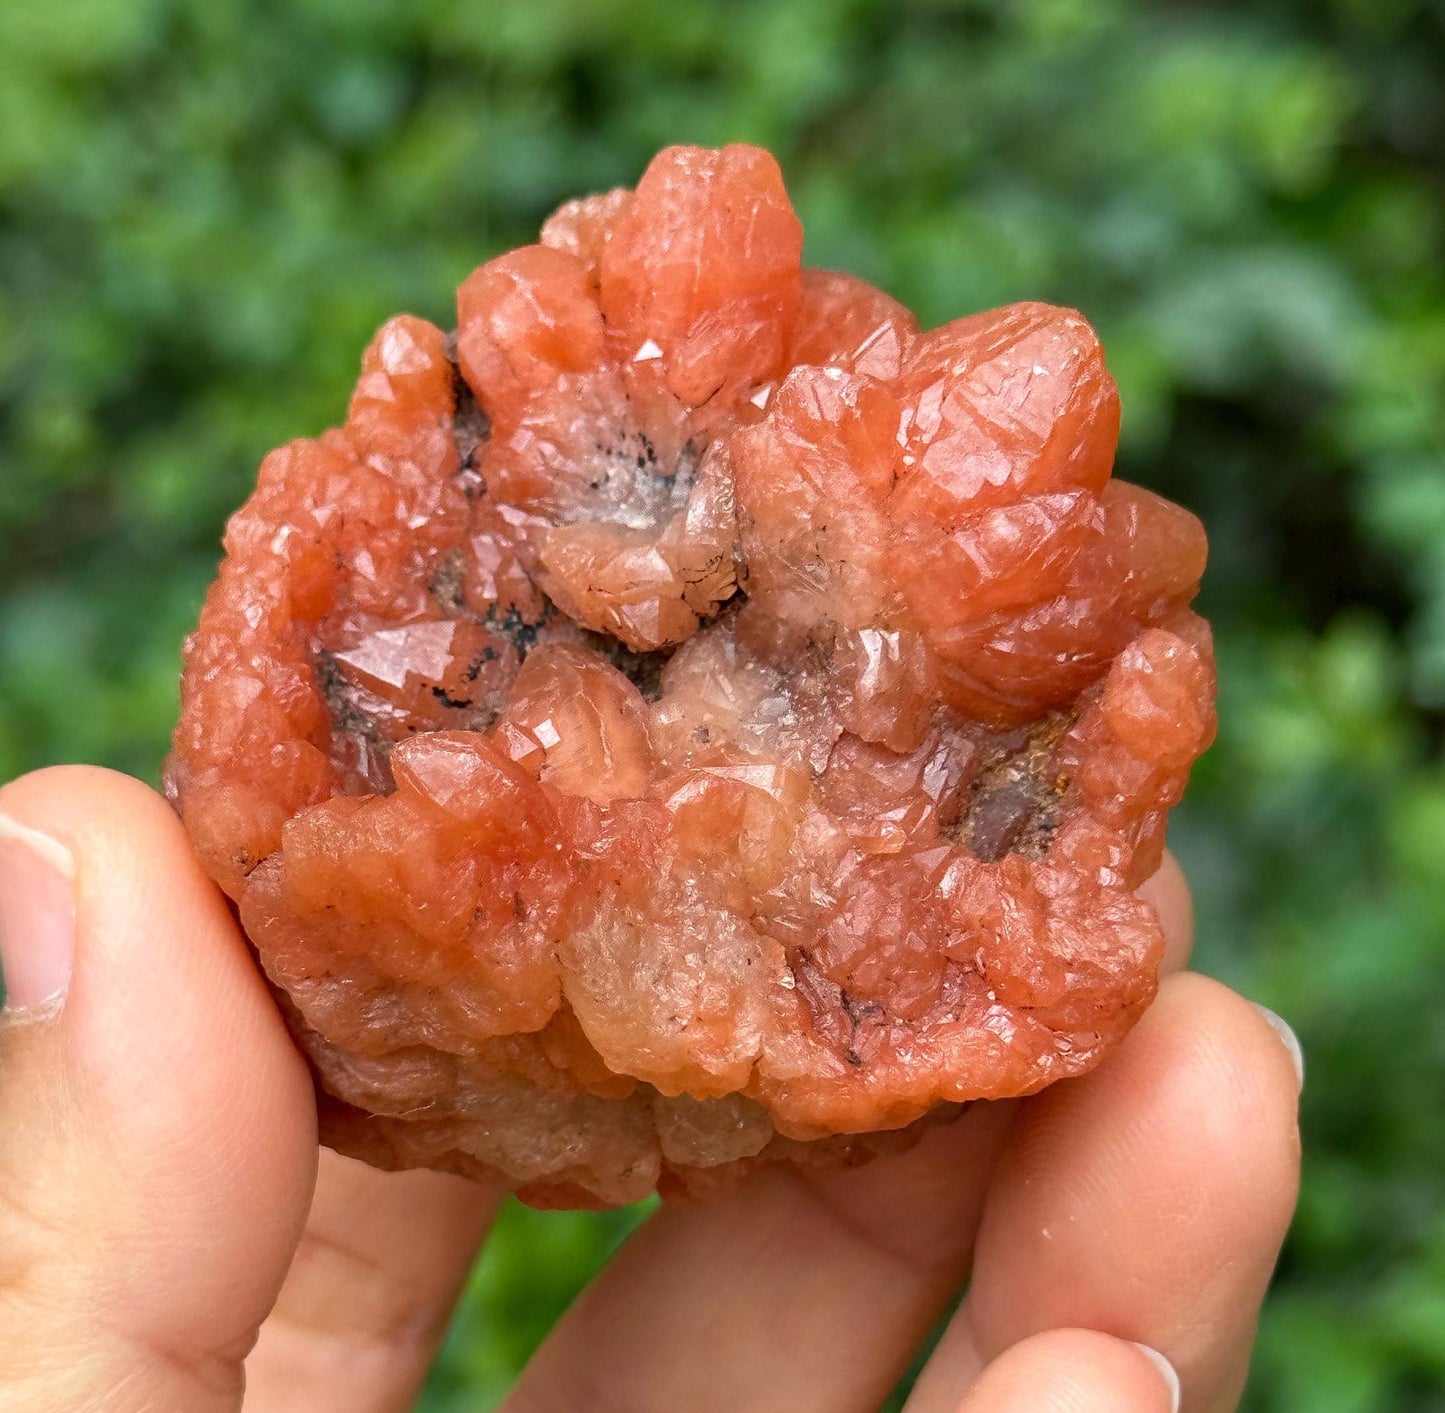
1285	1031
1166	1371
37	919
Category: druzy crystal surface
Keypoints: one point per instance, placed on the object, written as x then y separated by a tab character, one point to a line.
690	717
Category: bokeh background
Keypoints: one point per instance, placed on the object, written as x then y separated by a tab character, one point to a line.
206	206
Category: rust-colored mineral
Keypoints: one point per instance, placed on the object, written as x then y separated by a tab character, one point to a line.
690	717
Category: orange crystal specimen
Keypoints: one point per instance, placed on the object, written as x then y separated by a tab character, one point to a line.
692	717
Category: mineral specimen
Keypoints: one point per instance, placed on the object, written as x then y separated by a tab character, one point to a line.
691	717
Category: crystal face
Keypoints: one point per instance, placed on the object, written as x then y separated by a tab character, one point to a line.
691	717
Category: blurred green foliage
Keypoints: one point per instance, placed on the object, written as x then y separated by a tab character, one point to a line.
207	205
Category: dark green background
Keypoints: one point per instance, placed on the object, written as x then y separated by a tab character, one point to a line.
206	206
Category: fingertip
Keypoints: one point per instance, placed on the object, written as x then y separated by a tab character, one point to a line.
1075	1371
1287	1037
63	791
37	922
1151	1196
156	941
1199	1105
1234	1068
1168	1374
127	849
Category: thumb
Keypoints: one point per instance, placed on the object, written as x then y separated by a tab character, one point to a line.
157	1128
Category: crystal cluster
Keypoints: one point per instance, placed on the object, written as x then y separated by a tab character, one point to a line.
690	717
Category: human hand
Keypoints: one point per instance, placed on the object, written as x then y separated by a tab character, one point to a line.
161	1201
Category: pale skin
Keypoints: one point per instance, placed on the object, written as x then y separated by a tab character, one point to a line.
172	1238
